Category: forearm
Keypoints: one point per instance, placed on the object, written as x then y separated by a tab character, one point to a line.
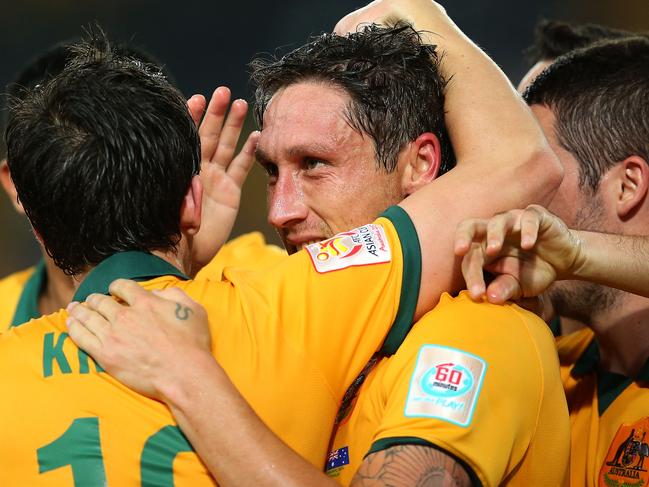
618	261
235	445
488	122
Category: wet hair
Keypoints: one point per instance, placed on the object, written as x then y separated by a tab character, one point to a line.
43	67
599	95
102	156
392	78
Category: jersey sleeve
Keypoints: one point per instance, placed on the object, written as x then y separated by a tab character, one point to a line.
467	381
339	301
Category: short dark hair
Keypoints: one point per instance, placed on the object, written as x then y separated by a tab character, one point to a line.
391	76
599	96
554	38
48	64
102	156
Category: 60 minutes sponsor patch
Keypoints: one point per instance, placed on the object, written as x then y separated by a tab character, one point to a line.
446	384
365	245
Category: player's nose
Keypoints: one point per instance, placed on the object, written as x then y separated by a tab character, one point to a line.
285	203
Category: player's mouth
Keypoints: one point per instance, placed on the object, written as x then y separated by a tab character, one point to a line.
302	241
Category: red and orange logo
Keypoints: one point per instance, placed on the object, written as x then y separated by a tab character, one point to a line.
338	246
624	465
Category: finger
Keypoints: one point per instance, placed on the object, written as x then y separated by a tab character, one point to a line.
82	337
128	291
90	320
210	129
104	305
472	265
498	228
530	222
242	164
196	106
230	133
466	232
504	287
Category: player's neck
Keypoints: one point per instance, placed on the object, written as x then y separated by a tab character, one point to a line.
58	290
623	335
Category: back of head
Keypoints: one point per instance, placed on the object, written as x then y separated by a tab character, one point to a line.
392	78
102	156
52	62
599	98
554	38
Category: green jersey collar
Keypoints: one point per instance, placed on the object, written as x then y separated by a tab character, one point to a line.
138	266
27	308
609	384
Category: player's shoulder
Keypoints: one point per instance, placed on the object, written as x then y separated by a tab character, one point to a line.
248	251
17	279
19	339
460	315
496	332
11	288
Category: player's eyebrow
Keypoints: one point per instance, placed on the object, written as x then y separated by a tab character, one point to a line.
262	156
311	148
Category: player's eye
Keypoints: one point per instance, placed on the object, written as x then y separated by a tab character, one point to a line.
270	169
310	163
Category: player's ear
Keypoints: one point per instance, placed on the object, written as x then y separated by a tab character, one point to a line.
190	211
633	182
424	160
9	187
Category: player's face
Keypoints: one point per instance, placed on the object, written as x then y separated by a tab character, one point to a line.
323	177
532	74
569	201
581	209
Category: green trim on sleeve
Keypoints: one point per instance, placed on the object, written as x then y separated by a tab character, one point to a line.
385	443
411	280
27	307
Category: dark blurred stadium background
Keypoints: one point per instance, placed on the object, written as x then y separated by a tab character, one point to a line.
205	44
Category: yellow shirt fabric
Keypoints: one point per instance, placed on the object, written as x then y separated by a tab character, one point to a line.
248	251
609	416
19	299
509	428
291	339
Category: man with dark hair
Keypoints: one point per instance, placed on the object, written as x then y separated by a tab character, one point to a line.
44	288
554	38
592	106
386	96
345	134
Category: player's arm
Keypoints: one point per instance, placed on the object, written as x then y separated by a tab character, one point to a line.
504	160
223	429
529	249
410	465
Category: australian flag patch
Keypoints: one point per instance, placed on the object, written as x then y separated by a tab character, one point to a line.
337	458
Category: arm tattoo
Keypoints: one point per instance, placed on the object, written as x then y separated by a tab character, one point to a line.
182	312
410	466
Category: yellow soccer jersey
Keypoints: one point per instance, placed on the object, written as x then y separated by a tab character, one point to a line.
609	416
249	251
291	339
478	381
19	296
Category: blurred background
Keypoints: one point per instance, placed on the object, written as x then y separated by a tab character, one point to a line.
206	44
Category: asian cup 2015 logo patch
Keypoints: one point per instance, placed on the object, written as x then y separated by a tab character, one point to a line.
446	384
365	245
